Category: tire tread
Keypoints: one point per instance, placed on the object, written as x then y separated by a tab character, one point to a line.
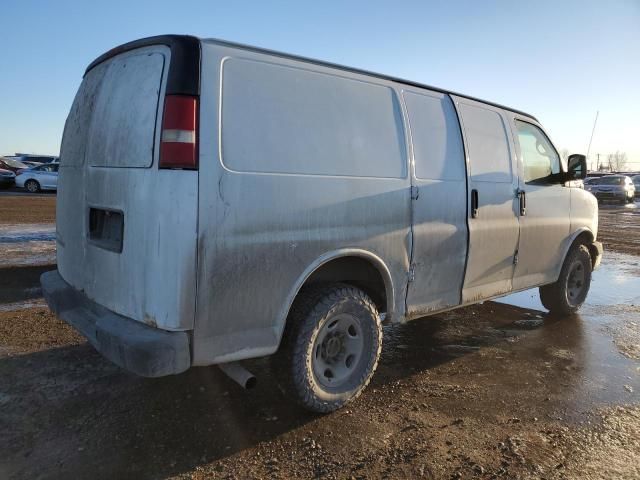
553	296
311	305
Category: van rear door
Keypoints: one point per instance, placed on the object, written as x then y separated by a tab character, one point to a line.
127	229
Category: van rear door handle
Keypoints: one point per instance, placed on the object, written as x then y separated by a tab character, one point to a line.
474	203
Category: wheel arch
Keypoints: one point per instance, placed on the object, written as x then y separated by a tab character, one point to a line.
581	236
337	267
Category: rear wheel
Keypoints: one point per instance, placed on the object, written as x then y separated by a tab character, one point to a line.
331	347
32	186
568	294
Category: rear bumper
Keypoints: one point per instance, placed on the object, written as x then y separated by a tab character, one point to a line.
138	348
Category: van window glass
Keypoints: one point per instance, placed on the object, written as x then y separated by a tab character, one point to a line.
278	119
123	122
489	154
435	134
539	158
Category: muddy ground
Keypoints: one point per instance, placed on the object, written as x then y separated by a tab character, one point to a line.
499	390
620	228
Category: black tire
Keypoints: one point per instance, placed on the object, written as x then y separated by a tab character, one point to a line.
310	345
32	186
566	296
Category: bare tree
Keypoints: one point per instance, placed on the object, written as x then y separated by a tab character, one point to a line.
617	161
564	154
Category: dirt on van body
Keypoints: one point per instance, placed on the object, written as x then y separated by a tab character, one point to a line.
488	391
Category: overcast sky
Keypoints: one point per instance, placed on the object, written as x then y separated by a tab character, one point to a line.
559	60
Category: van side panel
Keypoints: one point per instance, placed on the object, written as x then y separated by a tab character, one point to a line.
263	223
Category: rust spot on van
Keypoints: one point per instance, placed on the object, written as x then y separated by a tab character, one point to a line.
149	320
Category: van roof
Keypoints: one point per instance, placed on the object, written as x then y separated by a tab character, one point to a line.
185	79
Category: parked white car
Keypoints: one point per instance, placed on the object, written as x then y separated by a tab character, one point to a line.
43	177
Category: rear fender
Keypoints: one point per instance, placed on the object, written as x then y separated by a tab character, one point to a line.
377	262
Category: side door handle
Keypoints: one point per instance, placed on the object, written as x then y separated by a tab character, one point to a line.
522	197
474	203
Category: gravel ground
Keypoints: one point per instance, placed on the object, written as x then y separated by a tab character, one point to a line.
490	391
21	208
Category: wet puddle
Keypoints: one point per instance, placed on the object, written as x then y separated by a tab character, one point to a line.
595	355
616	282
16	306
28	244
606	333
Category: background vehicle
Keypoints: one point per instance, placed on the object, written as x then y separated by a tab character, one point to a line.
43	177
636	184
619	188
39	159
7	178
12	165
304	200
31	164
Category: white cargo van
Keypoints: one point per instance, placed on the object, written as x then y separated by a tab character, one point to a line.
219	202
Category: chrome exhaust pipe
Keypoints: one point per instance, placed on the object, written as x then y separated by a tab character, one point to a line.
239	374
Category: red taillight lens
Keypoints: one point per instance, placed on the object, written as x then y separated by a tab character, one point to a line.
179	141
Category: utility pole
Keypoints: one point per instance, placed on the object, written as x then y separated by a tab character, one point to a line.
598	163
592	131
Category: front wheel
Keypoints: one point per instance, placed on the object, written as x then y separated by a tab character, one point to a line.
567	295
331	346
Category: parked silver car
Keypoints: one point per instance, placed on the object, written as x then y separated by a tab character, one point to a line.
220	202
619	188
42	177
636	184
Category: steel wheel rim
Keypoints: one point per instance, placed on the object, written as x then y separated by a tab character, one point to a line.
576	281
337	350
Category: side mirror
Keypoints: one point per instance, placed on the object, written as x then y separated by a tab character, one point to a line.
577	167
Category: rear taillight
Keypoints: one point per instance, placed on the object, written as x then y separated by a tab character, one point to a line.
179	140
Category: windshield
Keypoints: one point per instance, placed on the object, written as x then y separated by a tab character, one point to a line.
13	163
609	181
